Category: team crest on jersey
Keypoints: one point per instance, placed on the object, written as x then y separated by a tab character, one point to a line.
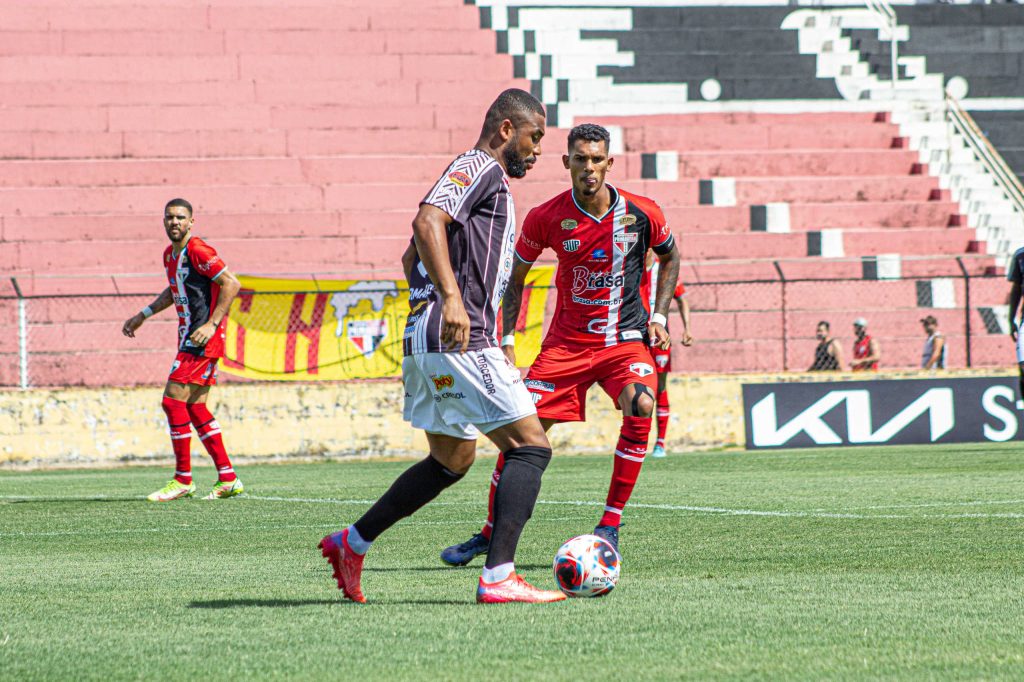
569	224
625	240
641	369
628	219
367	335
571	245
460	178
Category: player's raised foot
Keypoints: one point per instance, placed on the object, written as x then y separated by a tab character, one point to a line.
609	533
460	555
225	489
514	589
658	452
172	491
347	565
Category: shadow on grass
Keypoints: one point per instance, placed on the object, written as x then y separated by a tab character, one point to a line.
75	500
291	603
442	569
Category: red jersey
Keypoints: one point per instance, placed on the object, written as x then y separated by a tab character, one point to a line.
862	349
192	276
600	265
649	290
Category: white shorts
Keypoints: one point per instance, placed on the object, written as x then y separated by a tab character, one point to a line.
1020	346
463	395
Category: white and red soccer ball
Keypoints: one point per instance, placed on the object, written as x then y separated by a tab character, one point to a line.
587	566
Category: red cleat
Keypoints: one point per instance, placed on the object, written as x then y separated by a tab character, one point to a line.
514	589
347	565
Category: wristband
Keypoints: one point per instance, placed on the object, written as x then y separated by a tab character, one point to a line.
147	312
658	318
508	340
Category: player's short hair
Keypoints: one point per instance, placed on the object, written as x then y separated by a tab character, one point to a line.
513	104
179	202
825	324
591	132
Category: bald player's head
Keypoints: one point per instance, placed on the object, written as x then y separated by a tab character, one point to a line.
515	105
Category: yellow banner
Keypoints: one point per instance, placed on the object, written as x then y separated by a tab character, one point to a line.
315	330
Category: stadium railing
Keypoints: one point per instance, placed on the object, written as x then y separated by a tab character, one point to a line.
747	316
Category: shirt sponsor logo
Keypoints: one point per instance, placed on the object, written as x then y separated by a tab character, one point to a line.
443	381
571	245
641	369
532	244
628	219
599	255
625	241
632	335
181	300
597	326
585	280
537	385
205	267
569	224
460	178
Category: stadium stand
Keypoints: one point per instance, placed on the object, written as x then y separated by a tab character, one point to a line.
306	135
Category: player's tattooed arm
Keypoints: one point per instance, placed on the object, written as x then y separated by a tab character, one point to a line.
229	288
161	302
668	275
430	230
512	303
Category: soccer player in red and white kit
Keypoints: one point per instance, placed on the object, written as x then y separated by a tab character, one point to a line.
663	356
601	328
201	290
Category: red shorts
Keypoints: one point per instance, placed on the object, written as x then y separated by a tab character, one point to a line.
559	378
194	369
662	360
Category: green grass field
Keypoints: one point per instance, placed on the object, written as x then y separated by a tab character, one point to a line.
841	564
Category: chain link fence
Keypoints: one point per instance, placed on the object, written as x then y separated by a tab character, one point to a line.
746	317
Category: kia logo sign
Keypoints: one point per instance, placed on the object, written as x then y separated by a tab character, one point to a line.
913	411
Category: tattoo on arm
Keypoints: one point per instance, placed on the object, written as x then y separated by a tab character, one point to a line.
668	275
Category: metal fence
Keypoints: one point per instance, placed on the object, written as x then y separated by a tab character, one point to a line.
746	317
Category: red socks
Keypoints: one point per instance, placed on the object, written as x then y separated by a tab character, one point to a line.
629	458
181	438
663	414
209	433
495	477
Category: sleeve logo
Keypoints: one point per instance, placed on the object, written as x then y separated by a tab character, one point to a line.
460	178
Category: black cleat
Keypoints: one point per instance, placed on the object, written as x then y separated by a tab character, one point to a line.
609	534
460	555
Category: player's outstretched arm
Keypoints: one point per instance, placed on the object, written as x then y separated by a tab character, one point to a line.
511	304
668	275
430	230
159	303
229	288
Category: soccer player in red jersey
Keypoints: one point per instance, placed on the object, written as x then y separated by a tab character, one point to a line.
201	290
663	357
602	328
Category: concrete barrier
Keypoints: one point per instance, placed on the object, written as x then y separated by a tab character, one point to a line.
107	427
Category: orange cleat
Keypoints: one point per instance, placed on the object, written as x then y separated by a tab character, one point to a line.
514	589
347	565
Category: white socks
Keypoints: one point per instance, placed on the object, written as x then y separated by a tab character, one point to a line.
498	573
356	542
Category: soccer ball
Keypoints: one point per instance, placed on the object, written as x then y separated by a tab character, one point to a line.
586	566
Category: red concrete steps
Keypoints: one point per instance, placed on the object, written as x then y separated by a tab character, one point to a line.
105	69
70	93
795	162
742	136
150	199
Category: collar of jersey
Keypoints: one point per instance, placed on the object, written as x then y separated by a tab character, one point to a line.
611	207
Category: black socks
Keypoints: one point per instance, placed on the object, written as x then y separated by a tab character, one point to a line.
418	485
514	500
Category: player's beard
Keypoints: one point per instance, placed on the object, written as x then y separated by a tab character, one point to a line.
515	165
